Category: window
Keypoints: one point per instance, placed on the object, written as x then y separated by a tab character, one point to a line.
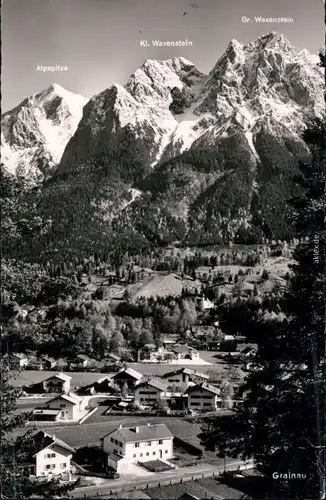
63	466
52	455
166	451
120	444
141	454
154	452
160	441
62	406
149	443
134	455
147	454
48	467
115	451
136	445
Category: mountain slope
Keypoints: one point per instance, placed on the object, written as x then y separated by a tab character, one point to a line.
174	155
35	133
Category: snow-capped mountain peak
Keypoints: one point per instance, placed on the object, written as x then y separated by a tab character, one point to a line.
35	133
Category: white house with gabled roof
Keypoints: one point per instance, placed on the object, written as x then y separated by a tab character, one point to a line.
71	406
130	445
49	456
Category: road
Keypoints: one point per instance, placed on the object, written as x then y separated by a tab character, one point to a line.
164	478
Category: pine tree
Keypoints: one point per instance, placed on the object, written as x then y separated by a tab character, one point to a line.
281	423
14	451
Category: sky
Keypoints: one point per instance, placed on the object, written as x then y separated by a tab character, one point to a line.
99	40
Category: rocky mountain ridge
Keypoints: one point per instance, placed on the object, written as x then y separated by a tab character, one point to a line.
178	156
35	133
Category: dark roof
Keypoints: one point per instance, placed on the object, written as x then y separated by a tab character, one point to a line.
147	432
204	386
187	496
152	383
59	375
115	457
46	411
20	355
187	371
71	398
129	371
44	440
182	348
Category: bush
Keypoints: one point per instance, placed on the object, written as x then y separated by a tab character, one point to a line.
187	447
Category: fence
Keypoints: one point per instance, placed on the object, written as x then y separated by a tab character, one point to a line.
156	484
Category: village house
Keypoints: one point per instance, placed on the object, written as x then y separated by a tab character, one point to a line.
170	341
112	358
149	392
102	386
228	343
48	363
249	351
130	445
184	376
49	456
18	360
203	397
62	408
127	377
80	361
146	352
185	352
56	384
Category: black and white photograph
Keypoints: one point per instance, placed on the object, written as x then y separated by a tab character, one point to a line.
163	284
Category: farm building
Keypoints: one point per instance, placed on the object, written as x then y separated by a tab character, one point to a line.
58	383
149	391
128	377
203	397
184	376
102	386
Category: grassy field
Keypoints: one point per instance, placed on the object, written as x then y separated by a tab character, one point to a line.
159	370
78	379
90	432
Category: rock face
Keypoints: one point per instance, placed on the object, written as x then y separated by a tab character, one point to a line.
35	133
176	155
169	106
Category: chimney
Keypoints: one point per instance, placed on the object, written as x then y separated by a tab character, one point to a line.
136	430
